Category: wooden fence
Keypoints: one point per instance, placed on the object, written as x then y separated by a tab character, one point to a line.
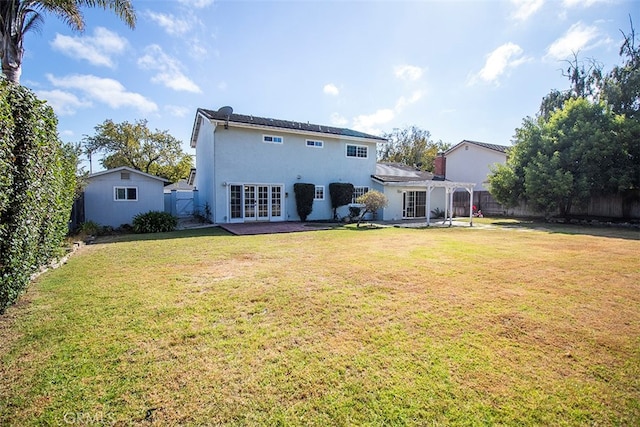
618	206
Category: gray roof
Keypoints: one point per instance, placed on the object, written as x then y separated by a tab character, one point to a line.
396	172
286	124
494	147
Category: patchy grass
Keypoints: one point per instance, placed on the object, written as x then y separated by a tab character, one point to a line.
389	326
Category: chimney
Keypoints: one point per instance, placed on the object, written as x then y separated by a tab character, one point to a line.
440	166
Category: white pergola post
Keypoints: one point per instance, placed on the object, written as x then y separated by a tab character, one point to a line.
451	191
470	207
429	190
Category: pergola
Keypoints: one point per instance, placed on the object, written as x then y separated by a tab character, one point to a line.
450	187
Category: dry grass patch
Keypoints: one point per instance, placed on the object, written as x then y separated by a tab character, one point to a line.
340	327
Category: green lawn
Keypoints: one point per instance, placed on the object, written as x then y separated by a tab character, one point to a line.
460	326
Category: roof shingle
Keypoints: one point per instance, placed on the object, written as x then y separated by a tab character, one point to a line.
286	124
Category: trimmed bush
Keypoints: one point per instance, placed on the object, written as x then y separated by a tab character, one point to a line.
305	193
154	222
341	194
37	188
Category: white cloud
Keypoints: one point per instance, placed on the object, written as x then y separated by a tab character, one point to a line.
199	4
107	91
171	24
574	40
368	122
404	102
408	72
525	8
96	49
331	89
583	3
169	70
509	55
177	111
338	120
63	103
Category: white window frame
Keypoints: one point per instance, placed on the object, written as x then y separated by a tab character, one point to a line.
358	151
319	188
359	191
314	143
126	192
273	139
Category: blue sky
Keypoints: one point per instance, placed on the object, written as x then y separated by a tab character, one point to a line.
460	69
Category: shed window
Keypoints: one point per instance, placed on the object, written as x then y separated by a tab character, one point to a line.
125	193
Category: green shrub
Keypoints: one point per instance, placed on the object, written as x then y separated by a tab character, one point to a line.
89	228
37	188
154	222
305	193
341	194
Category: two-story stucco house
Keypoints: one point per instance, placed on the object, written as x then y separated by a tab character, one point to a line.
247	166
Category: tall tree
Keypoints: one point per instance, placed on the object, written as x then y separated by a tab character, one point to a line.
411	146
17	17
135	145
559	162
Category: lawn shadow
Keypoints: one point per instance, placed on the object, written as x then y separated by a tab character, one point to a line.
612	231
213	231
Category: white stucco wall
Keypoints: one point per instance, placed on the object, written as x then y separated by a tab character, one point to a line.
395	194
242	158
204	181
100	206
471	163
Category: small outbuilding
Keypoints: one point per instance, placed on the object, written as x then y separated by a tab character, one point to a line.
114	196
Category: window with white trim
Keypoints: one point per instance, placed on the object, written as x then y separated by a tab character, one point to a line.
315	143
357	192
272	139
358	151
319	195
125	193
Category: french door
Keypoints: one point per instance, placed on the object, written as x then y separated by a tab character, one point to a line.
255	202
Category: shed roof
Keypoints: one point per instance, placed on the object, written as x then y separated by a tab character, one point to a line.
286	124
128	169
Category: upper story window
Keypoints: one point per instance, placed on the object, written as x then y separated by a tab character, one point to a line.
319	192
125	193
359	151
272	139
315	143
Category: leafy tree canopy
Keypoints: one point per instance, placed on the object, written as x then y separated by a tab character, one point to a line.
135	145
411	146
373	201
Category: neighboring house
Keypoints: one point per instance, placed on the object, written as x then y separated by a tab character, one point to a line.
247	166
114	196
470	161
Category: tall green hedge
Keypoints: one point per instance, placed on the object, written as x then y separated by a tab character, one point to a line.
305	193
37	187
341	194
